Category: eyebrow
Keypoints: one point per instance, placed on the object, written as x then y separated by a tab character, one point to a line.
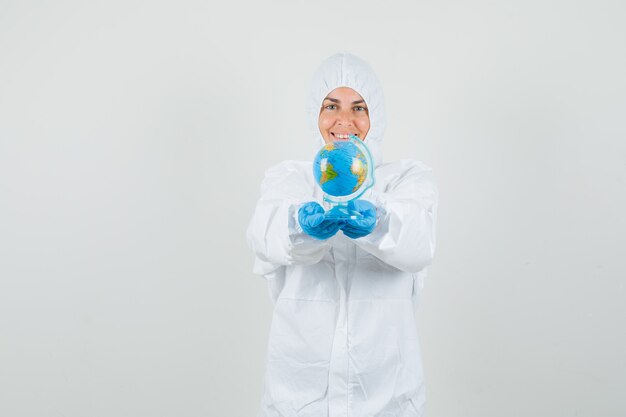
334	100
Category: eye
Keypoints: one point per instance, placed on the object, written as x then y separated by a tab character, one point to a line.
330	107
360	108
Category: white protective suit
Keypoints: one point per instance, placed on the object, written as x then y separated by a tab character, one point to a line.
343	339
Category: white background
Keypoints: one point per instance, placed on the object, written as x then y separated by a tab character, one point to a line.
133	138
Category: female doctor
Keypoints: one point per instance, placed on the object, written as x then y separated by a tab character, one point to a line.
343	339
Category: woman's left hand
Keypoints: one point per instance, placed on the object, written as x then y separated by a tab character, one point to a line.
363	226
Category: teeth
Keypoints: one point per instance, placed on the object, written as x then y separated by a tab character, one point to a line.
340	136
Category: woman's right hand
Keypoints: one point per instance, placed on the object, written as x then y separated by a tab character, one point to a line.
313	223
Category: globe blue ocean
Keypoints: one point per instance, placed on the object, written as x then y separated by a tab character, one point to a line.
341	168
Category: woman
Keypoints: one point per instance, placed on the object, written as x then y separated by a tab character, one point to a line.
343	338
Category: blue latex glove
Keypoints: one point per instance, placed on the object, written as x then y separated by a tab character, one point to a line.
356	228
311	219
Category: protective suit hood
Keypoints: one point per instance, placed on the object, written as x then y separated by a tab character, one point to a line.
346	70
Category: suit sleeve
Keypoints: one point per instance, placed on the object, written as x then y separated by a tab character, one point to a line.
274	234
404	236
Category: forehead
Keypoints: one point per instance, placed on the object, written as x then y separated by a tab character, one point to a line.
344	94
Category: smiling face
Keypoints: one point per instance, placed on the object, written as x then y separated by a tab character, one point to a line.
343	113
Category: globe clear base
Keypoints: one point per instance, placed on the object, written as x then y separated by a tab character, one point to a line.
342	212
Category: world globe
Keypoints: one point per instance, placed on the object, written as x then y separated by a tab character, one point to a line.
344	170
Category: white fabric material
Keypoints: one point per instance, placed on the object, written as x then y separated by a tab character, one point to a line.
343	339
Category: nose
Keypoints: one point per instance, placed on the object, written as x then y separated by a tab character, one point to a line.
344	117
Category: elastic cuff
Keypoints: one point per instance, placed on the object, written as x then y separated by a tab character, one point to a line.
293	223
